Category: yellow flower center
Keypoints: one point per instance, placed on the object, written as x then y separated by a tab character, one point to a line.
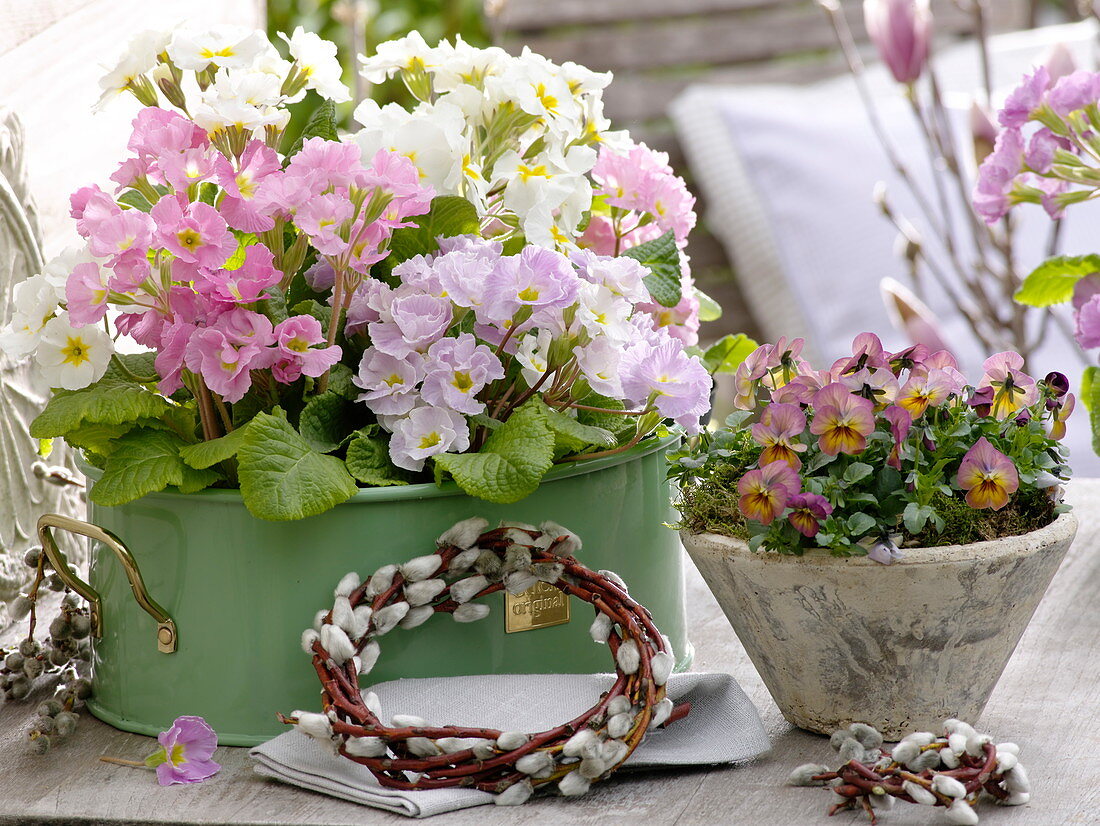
246	185
393	380
528	294
298	345
462	381
430	440
189	239
226	51
75	352
548	101
528	172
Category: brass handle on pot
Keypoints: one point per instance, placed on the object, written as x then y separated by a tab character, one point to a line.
166	627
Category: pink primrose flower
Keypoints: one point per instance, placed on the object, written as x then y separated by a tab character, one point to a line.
294	352
186	749
194	233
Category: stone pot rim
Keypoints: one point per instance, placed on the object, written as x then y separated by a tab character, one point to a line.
1062	528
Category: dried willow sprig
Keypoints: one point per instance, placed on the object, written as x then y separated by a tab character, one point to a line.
470	564
949	772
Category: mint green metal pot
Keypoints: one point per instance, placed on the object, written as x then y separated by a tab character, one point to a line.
241	590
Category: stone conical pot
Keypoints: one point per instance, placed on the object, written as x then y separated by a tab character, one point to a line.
901	647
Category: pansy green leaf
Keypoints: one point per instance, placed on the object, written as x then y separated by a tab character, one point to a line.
726	355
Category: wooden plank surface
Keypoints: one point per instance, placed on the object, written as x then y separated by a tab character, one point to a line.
1048	701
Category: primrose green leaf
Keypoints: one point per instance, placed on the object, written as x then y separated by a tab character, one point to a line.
207	454
147	460
709	309
322	124
1052	282
368	460
114	399
512	462
662	258
572	435
282	477
324	422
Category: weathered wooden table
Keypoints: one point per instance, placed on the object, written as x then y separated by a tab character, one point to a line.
1048	701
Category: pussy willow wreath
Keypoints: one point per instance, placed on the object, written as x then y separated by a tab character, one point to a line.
470	563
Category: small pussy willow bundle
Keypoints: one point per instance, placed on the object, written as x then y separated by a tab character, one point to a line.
471	562
951	771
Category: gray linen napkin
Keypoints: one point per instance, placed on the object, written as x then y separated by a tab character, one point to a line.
723	727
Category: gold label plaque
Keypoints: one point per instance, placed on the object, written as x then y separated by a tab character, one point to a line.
540	606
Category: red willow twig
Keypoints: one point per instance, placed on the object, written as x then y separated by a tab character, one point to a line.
343	701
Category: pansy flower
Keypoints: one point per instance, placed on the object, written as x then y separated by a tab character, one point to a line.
766	491
842	419
807	511
927	388
988	476
901	420
778	431
1012	388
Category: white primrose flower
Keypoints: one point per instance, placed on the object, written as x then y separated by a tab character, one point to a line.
72	358
533	354
316	61
515	795
470	612
408	54
34	302
221	46
365	746
139	57
60	267
574	784
551	182
427	431
541	91
602	313
433	136
463	65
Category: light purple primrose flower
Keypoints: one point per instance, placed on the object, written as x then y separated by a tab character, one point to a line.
1025	98
390	383
678	384
537	278
427	431
470	243
996	175
186	749
1085	289
1041	149
366	305
414	323
457	370
623	276
1087	323
1074	91
463	274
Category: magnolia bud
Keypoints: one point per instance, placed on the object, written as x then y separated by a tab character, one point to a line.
919	793
421	567
537	764
961	813
424	591
417	616
901	31
948	786
576	744
365	746
470	612
386	619
423	747
867	736
347	584
315	725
